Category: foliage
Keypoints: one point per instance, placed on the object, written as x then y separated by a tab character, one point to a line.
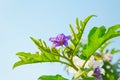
98	39
46	54
51	77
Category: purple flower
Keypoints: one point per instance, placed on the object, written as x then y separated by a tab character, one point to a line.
60	40
99	77
97	73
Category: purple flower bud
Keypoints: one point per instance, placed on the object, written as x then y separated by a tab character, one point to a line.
99	77
97	73
60	40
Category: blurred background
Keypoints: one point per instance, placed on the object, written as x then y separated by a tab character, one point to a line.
20	19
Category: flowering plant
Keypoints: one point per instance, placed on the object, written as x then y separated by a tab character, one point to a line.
87	61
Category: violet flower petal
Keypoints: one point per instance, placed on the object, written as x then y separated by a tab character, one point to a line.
99	77
68	37
65	43
53	39
97	71
55	44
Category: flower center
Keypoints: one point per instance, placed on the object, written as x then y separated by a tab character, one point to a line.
60	41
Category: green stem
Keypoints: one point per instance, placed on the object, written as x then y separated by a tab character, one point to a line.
79	75
82	71
70	61
85	62
78	43
65	63
73	65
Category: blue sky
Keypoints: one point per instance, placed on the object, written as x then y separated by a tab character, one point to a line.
20	19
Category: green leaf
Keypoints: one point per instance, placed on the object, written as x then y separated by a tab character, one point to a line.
80	26
77	24
82	56
73	33
98	36
28	58
113	51
116	67
45	50
110	73
51	77
102	48
89	78
87	19
45	55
